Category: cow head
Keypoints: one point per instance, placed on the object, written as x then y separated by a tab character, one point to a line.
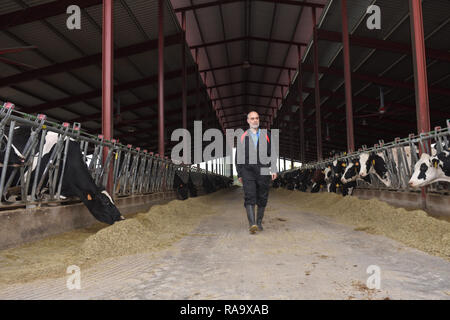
426	171
374	163
327	173
339	167
365	164
351	172
102	207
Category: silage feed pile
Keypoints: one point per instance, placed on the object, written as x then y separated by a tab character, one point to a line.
414	228
154	230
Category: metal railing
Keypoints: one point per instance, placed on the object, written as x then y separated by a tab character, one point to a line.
400	156
134	171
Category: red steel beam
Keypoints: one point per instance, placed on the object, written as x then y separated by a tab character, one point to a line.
243	115
248	81
142	104
222	2
183	68
96	93
420	66
153	118
355	75
197	87
296	3
317	89
107	79
244	105
386	45
243	121
215	43
86	61
348	78
244	94
371	101
161	5
301	115
40	12
16	49
363	130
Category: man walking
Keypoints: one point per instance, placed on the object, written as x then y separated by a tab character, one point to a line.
255	181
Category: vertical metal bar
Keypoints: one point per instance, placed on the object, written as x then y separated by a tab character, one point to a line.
420	66
63	169
348	78
117	158
420	73
291	143
183	69
300	96
107	79
161	77
85	150
38	166
197	87
279	163
5	160
316	88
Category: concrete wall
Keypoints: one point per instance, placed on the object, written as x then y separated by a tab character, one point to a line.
435	204
24	225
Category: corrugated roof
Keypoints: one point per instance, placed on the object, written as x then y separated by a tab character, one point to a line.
258	28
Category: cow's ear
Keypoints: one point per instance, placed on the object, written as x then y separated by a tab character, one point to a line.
89	197
435	163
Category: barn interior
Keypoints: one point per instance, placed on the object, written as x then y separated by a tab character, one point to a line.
335	77
238	56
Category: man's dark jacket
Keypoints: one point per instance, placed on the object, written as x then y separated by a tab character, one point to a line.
247	170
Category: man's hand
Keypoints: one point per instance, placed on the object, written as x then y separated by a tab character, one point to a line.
274	176
240	180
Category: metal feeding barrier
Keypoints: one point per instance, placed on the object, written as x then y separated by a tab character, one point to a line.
400	157
134	171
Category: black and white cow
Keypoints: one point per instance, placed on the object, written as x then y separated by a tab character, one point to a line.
318	181
431	169
374	163
192	188
337	169
351	172
76	182
180	186
305	179
208	184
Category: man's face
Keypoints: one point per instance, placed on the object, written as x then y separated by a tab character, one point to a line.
253	120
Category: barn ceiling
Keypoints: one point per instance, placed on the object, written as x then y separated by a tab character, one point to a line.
247	55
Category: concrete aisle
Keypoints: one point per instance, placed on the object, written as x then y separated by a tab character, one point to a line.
299	255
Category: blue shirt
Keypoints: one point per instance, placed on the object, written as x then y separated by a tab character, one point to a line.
255	137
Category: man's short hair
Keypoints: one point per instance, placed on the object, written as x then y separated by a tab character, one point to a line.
251	112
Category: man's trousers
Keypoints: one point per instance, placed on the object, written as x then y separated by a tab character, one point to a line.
256	190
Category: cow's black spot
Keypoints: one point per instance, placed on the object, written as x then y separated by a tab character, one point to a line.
380	166
445	158
423	169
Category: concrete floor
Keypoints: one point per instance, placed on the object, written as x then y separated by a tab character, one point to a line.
299	255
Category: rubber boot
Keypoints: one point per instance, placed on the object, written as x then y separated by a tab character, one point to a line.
251	218
259	217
